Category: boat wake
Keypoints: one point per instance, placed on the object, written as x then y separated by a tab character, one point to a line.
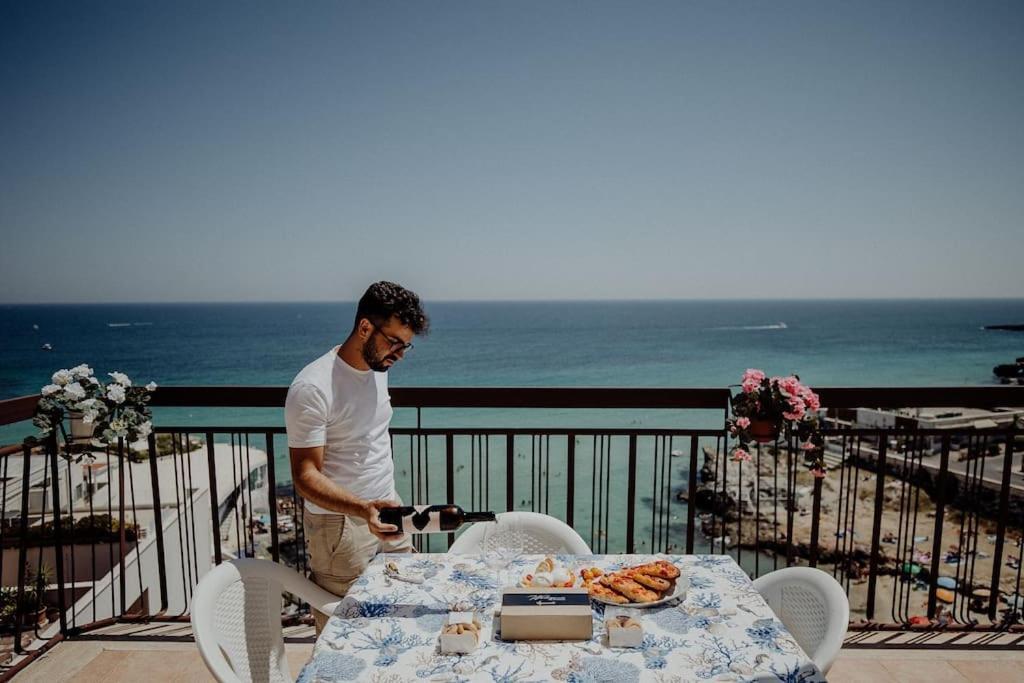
776	326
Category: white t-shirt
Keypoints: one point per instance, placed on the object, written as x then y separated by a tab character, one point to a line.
348	411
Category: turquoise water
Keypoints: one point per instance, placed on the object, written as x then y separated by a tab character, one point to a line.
617	344
637	344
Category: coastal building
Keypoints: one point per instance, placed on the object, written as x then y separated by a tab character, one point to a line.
103	578
958	421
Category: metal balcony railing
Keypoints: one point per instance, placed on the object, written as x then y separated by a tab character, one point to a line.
921	526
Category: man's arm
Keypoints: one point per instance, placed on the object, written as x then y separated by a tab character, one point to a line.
310	482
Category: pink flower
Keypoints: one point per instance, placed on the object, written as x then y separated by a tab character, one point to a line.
796	411
808	446
749	386
819	473
743	422
740	455
811	399
790	386
754	375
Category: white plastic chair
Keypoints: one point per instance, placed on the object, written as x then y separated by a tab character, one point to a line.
236	618
813	607
542	534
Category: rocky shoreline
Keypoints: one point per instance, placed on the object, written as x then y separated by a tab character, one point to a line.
750	512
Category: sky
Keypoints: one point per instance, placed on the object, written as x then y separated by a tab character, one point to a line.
268	151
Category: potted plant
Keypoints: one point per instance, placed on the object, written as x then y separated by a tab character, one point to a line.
70	394
766	405
97	411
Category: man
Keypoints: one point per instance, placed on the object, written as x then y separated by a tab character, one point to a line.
337	413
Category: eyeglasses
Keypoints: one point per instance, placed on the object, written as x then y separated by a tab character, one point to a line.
396	344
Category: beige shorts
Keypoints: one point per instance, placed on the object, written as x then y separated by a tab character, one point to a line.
340	547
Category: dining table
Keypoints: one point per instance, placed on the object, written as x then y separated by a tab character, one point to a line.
387	630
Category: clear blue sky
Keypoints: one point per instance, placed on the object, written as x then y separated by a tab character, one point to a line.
522	150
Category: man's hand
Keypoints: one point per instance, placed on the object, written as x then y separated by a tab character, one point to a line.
371	513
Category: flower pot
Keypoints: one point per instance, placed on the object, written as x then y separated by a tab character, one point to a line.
764	431
79	429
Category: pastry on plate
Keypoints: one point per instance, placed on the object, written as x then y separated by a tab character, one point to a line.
661	568
653	582
598	590
630	588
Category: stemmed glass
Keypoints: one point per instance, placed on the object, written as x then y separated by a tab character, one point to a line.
502	545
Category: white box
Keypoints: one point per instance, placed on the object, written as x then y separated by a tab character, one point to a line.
460	643
623	627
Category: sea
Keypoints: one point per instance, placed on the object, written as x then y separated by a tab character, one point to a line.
517	344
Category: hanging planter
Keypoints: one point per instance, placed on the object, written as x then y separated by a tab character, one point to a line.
763	431
109	413
765	405
80	429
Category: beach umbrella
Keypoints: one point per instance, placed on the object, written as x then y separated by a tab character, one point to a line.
911	568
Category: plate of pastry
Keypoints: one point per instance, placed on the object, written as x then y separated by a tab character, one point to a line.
549	574
641	585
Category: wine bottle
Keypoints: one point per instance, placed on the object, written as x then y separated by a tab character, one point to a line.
431	519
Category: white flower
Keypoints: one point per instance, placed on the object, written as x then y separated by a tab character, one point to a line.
74	391
93	380
117	425
81	371
87	404
121	378
144	429
50	389
115	392
88	417
61	377
151	386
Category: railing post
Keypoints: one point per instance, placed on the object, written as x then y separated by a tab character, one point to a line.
211	462
58	550
876	524
570	483
631	497
941	482
122	540
510	462
1004	502
158	519
691	491
815	521
449	444
275	546
26	473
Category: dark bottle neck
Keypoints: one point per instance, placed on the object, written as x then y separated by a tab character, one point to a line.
480	517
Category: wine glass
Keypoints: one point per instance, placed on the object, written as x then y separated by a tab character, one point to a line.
502	544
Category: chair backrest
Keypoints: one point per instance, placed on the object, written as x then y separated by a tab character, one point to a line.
813	607
542	534
236	618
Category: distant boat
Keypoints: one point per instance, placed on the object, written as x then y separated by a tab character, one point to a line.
1009	328
47	347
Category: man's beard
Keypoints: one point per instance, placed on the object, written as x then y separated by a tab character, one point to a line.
375	362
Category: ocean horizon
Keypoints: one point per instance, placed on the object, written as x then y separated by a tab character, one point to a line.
527	344
651	343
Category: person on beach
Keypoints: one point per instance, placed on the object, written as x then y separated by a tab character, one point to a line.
337	415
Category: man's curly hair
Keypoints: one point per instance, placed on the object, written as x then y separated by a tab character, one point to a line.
384	300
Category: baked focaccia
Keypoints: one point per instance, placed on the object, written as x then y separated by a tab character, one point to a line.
598	590
653	582
661	568
630	588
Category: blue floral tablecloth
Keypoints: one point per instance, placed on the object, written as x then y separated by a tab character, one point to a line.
386	631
